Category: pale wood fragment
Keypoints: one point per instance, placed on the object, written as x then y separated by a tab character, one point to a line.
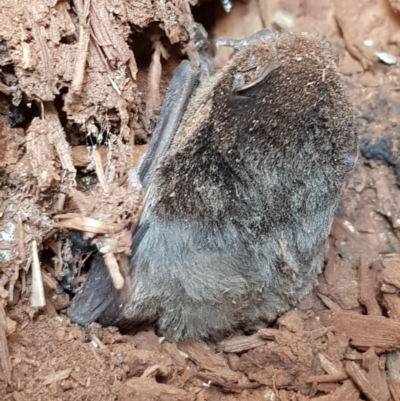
56	377
37	293
241	343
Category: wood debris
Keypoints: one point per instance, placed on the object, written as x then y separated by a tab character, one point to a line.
56	377
79	91
365	330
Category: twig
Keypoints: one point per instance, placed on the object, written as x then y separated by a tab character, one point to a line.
82	8
37	295
154	77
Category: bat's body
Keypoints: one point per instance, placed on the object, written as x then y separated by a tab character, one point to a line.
240	202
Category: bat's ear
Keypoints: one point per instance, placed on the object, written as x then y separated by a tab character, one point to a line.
242	82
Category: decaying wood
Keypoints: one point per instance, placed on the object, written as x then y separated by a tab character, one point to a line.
331	378
82	156
153	99
61	146
360	378
244	343
241	343
328	302
395	4
5	363
394	387
149	389
365	331
38	299
82	8
367	284
375	374
41	154
329	367
98	166
391	271
87	224
113	270
213	364
56	377
393	365
392	303
346	392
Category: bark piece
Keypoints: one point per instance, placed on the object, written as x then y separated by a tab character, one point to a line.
365	330
56	377
216	367
5	363
286	362
346	392
242	343
367	284
394	387
144	389
341	280
376	375
360	378
392	303
391	271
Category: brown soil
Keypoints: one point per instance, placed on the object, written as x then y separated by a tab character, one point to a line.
343	341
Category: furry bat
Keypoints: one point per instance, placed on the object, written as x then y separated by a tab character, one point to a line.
239	207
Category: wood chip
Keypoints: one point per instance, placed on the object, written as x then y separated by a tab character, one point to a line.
330	367
56	377
215	365
82	8
61	145
328	378
18	396
81	155
391	271
365	330
346	392
392	303
361	380
241	343
367	284
148	389
376	375
328	302
394	387
5	363
269	334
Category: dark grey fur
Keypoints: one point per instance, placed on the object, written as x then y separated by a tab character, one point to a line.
238	213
